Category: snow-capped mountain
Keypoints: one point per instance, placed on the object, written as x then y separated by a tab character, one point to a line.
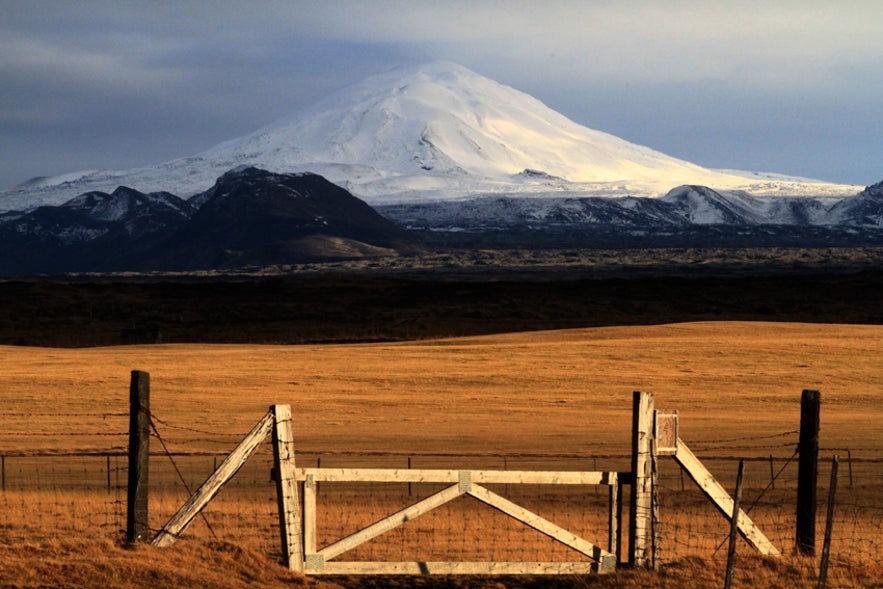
433	133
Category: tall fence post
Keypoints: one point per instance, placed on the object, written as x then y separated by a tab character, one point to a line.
640	510
808	471
139	457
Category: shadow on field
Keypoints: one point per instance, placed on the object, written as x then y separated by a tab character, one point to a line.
468	293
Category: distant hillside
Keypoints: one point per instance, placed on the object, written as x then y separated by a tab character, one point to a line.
249	217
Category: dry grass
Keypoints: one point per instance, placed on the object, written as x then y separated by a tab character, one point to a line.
537	393
565	393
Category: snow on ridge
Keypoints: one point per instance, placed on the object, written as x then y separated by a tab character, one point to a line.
435	132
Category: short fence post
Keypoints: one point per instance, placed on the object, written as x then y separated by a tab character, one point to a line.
807	472
772	473
734	528
640	510
108	471
139	457
3	468
829	522
849	458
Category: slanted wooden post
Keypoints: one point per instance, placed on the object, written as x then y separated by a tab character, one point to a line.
201	497
290	527
722	500
640	510
139	457
808	472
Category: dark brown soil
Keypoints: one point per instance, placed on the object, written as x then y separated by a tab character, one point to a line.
447	294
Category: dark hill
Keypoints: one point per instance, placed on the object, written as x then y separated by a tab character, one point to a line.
254	217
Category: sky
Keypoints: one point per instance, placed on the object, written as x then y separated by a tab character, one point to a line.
785	86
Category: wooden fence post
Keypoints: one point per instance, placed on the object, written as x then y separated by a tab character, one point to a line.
829	524
640	510
290	527
808	471
734	528
139	457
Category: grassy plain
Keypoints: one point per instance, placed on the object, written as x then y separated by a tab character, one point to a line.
565	391
524	396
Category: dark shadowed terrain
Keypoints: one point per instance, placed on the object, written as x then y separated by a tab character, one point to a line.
446	294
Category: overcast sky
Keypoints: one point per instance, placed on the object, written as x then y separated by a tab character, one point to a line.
774	85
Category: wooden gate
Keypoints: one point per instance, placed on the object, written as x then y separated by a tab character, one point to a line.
462	482
654	433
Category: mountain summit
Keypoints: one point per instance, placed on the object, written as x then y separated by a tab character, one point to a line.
434	132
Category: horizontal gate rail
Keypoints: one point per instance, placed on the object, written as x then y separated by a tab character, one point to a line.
382	475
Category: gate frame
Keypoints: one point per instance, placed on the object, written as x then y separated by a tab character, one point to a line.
464	482
298	530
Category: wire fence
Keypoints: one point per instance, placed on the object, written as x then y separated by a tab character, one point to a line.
84	493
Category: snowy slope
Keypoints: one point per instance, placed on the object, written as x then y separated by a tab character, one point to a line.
432	133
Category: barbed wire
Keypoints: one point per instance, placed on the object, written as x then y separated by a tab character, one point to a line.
195	430
65	434
56	414
150	419
747	438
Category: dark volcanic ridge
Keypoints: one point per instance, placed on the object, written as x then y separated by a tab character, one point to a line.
249	217
254	218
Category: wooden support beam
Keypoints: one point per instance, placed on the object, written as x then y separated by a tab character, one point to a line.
640	510
310	489
457	568
606	560
231	465
286	489
386	524
722	500
385	475
614	522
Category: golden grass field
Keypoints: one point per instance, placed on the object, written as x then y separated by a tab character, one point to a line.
526	396
566	391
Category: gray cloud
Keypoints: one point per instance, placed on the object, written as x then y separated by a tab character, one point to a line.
785	86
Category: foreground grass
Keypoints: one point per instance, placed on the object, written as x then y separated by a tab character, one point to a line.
542	393
217	565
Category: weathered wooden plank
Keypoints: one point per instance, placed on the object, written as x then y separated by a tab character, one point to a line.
310	515
640	507
290	529
554	531
722	500
456	568
390	522
614	523
380	475
231	465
